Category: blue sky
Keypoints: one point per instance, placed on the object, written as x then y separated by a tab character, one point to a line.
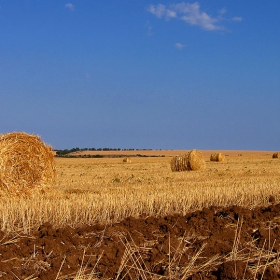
142	74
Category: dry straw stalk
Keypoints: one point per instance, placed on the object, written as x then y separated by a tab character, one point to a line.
193	160
26	163
217	157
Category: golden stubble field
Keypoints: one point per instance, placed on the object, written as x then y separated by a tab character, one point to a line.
107	190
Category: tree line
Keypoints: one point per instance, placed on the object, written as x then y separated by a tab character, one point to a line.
68	151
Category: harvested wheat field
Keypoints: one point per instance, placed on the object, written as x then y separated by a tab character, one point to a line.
106	219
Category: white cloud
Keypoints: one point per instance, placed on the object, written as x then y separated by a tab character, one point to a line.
171	14
161	11
158	10
69	6
189	13
179	46
237	18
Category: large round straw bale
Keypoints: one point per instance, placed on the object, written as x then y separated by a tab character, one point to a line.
196	160
26	163
276	155
191	161
128	160
217	157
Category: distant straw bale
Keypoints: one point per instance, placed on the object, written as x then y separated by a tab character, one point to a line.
276	155
217	157
26	163
191	161
128	160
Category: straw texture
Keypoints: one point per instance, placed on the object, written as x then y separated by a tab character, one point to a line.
196	160
26	163
179	163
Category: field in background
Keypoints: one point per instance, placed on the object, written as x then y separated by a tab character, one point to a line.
171	153
106	190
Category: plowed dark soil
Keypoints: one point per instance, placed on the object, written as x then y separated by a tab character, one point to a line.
215	243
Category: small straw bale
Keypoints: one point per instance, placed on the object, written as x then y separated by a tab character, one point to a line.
128	160
217	157
26	163
276	155
191	161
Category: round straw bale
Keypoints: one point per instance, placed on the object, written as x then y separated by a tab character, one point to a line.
128	160
26	163
276	155
191	161
196	160
217	157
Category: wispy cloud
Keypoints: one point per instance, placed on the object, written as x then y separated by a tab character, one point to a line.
179	46
149	28
69	6
222	11
237	18
189	13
